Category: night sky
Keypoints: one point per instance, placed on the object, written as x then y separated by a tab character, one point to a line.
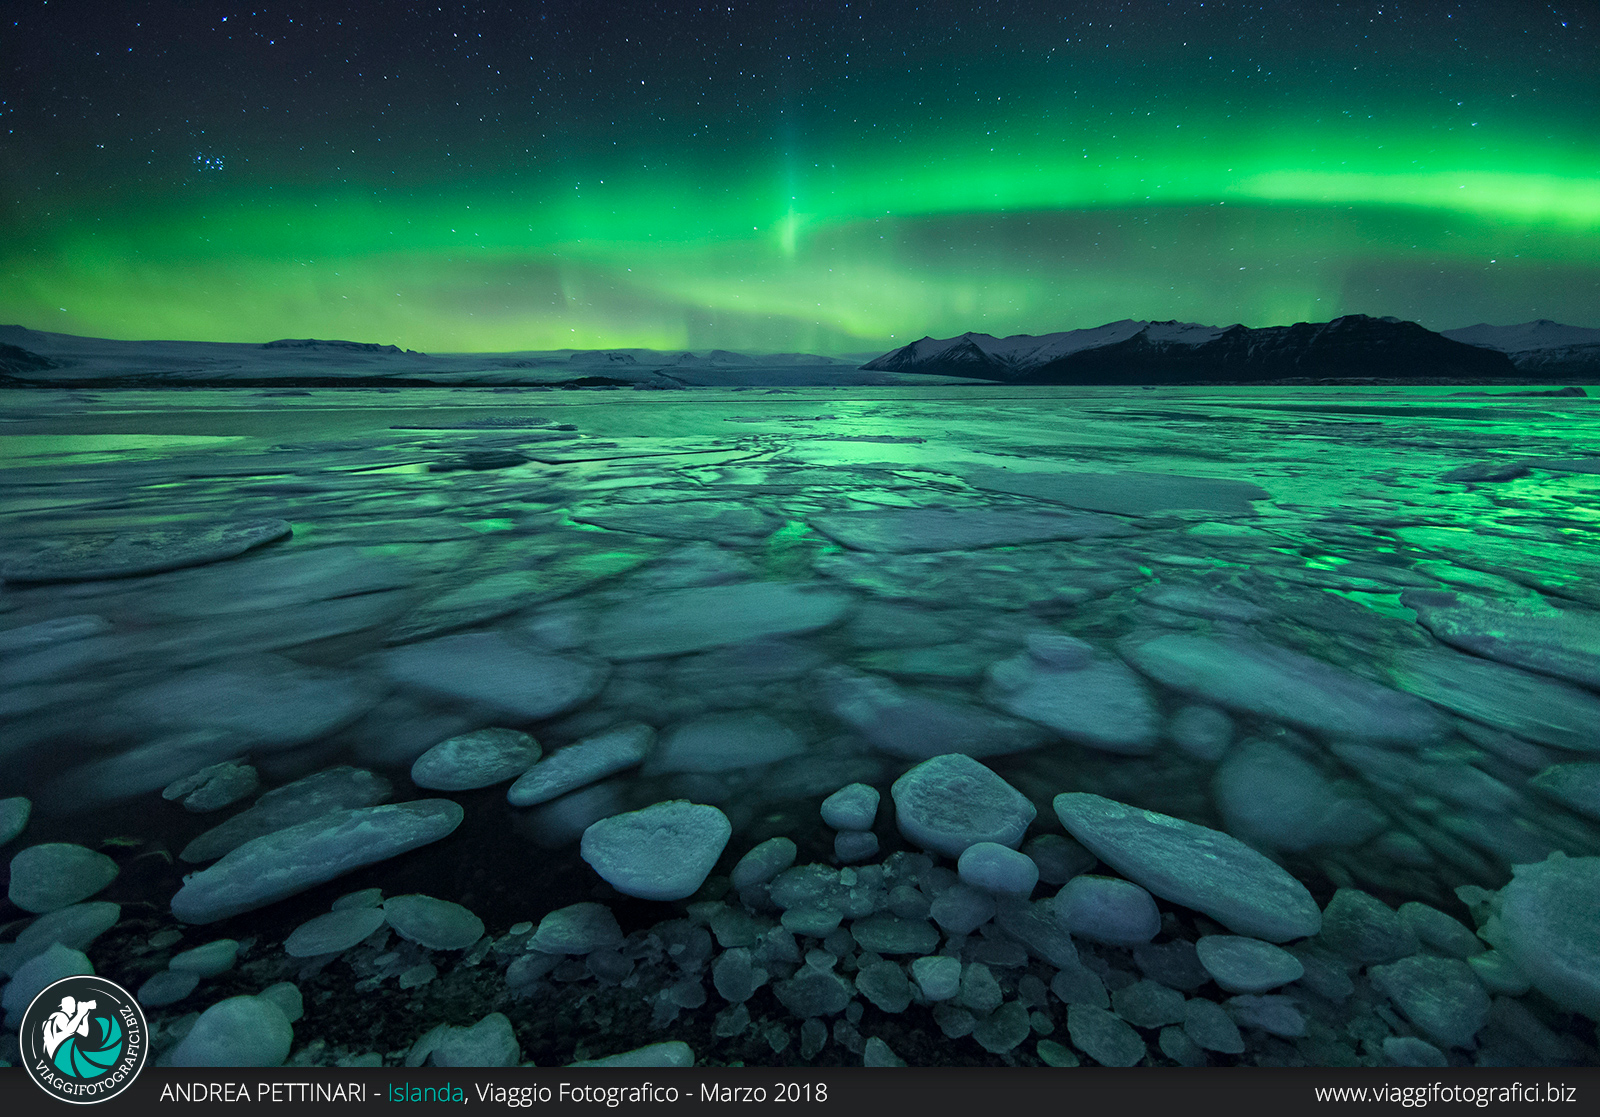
784	175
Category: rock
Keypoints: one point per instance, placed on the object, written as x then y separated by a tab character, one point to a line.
333	933
207	961
1364	929
1275	1015
663	852
1549	925
481	758
1241	965
485	669
1148	1004
1211	1028
995	868
55	874
938	976
906	723
1101	703
1433	928
149	552
577	929
885	985
1560	642
237	1032
724	742
1103	1037
692	620
1575	785
14	814
950	802
854	846
1534	707
269	868
853	807
1254	677
321	793
214	786
1274	799
1003	1029
578	765
876	1053
167	987
912	530
490	1042
75	926
673	1053
1107	910
1193	865
1439	995
888	934
763	863
433	923
1059	858
1409	1051
36	974
1203	732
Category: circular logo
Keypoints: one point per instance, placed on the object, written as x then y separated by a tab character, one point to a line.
84	1039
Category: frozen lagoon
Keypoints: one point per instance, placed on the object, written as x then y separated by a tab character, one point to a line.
1300	617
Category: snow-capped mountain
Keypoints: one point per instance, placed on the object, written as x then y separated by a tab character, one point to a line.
1130	352
1539	348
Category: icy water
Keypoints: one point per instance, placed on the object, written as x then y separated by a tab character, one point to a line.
1355	629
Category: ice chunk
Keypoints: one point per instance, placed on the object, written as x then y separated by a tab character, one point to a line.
577	929
1276	799
1560	642
950	802
813	992
852	846
1204	732
1275	1015
1435	929
214	786
736	976
1499	974
1103	1037
14	814
1193	865
55	874
1241	965
1362	928
1439	995
1126	492
1059	858
888	934
167	987
321	793
76	926
938	976
663	852
852	807
1258	678
1210	1027
286	995
763	863
1549	925
332	933
1148	1004
998	869
1107	910
1534	707
906	723
481	758
433	923
1576	785
1002	1029
1409	1051
704	617
36	974
490	1042
885	985
672	1053
1101	703
209	960
237	1032
486	669
1204	603
266	869
876	1053
149	552
583	763
911	530
724	742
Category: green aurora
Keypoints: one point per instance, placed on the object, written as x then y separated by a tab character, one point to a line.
838	239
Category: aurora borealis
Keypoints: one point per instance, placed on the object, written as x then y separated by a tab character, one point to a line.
826	177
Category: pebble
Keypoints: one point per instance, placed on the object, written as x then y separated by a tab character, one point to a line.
209	960
56	874
887	934
274	866
1105	1038
663	852
938	976
431	922
1176	1045
962	909
577	929
286	995
1107	910
1002	1030
876	1053
950	802
995	868
481	758
885	985
333	933
852	807
238	1032
1441	996
1193	865
980	992
578	765
1241	965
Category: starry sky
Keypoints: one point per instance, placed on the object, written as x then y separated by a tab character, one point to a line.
790	175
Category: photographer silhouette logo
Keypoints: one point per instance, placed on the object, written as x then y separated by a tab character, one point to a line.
84	1039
